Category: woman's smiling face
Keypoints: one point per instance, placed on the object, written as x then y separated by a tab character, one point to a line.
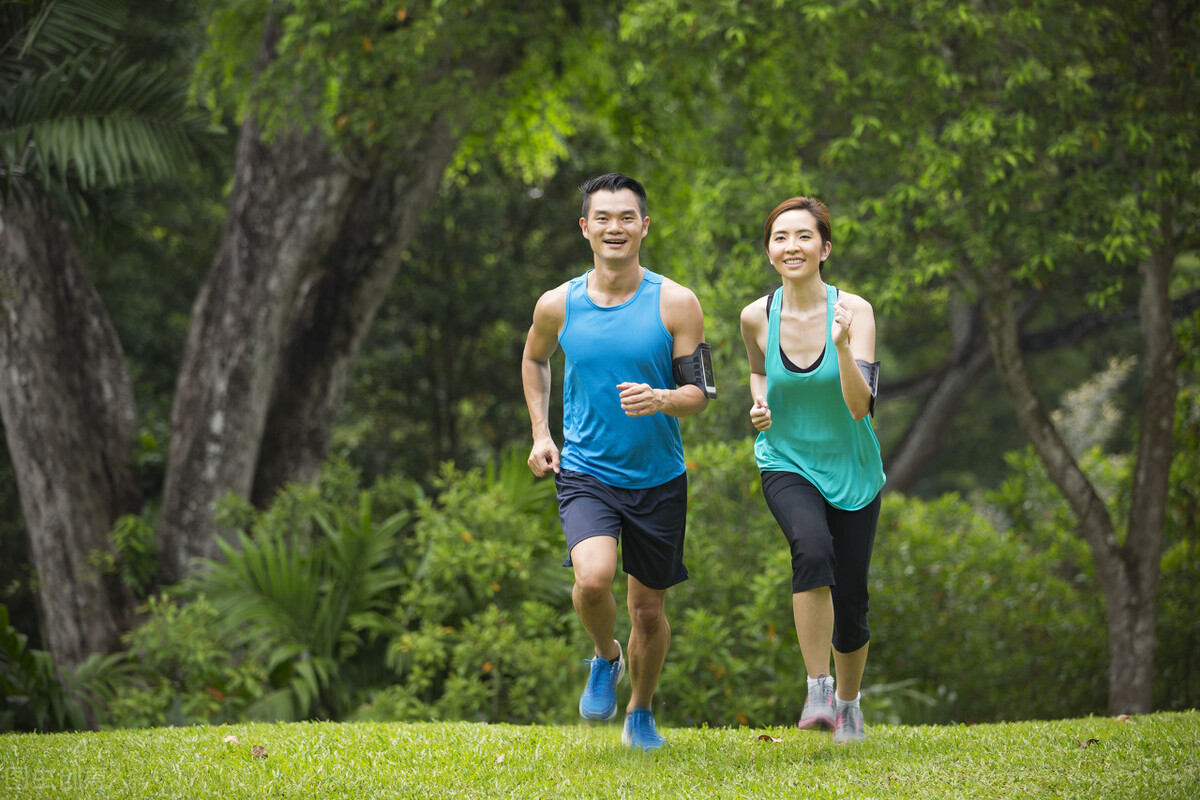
795	246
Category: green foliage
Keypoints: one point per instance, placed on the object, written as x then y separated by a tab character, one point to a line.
486	630
375	69
965	617
980	617
37	696
181	671
302	592
133	551
32	696
437	380
76	110
731	621
1177	673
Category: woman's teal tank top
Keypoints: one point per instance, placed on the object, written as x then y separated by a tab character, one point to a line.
812	432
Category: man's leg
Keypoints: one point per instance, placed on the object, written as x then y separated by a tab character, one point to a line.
649	639
595	564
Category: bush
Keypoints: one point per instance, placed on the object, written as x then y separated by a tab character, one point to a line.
965	619
183	672
734	658
303	594
1177	673
32	697
485	626
37	696
981	619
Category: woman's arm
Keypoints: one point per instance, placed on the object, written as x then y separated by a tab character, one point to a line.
754	336
854	338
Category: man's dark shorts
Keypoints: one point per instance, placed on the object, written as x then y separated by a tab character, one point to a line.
649	523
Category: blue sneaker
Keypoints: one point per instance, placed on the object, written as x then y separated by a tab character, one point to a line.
639	731
599	698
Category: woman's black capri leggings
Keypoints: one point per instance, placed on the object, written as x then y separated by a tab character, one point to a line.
830	547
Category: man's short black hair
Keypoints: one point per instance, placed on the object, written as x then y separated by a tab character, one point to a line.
612	182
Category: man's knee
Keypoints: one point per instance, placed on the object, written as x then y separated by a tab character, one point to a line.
592	586
647	614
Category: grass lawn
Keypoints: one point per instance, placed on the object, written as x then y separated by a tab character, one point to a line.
1152	756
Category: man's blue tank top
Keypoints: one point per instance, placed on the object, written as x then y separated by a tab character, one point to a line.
812	432
605	346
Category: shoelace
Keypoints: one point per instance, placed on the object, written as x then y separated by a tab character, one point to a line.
597	675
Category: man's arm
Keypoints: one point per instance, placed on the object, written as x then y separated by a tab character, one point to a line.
684	320
540	344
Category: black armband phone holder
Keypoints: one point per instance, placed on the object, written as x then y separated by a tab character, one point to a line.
871	373
697	370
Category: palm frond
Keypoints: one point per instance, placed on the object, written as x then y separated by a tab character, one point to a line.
75	111
98	124
46	31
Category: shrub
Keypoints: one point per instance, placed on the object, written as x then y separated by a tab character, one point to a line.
32	697
981	618
485	626
35	695
301	594
965	618
182	671
734	658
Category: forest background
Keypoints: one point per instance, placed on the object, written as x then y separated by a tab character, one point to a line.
267	270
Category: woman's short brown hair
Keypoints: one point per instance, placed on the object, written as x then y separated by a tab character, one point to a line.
809	204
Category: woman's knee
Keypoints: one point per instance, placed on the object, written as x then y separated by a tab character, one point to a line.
850	628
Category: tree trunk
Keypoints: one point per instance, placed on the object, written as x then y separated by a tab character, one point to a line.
336	307
1128	573
70	423
927	430
306	254
946	386
288	201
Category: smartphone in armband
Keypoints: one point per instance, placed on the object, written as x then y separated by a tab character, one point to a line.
697	370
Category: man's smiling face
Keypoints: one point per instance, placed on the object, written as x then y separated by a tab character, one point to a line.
614	225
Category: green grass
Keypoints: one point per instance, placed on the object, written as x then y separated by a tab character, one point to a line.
1153	756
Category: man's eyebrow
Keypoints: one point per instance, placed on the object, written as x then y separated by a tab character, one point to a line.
596	212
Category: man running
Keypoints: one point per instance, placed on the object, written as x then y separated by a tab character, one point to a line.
635	362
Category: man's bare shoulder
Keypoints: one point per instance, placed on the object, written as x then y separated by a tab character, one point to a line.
679	304
675	289
553	302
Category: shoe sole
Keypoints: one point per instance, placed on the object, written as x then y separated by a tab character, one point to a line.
815	723
597	717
